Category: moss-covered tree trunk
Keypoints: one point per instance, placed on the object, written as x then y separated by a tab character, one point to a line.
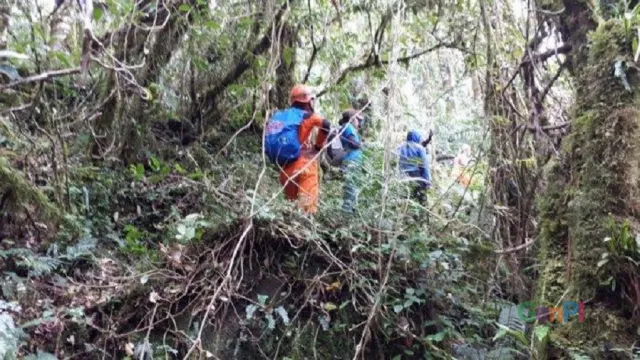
596	180
285	72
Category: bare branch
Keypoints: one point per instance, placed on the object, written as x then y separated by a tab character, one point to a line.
564	49
42	77
547	54
553	81
316	48
517	248
549	127
371	62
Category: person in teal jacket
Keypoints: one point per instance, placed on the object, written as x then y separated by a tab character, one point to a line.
349	124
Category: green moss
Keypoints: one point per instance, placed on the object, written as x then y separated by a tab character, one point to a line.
22	192
599	176
599	327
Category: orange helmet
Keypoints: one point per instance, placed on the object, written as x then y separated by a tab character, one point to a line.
301	94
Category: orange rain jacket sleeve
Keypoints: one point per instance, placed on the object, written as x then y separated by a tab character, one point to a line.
300	178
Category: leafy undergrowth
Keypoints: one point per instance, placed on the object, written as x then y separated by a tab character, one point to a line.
191	257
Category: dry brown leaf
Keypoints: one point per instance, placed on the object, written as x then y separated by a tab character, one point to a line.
334	286
128	348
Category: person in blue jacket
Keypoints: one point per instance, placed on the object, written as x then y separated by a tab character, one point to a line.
350	140
414	162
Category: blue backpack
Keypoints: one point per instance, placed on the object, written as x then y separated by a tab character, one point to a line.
281	144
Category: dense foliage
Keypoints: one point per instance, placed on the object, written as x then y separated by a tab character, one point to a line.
140	219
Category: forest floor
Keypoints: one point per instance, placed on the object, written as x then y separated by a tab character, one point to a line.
184	255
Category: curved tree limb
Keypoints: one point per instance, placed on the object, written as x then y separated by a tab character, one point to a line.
243	64
371	62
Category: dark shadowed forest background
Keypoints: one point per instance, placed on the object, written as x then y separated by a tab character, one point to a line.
139	218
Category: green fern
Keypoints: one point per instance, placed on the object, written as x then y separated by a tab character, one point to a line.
575	355
83	249
37	265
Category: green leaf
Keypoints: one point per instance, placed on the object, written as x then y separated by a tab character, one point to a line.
212	25
190	234
397	308
410	291
500	334
541	332
184	8
271	322
97	13
62	57
154	163
262	299
283	314
397	357
330	306
251	309
288	54
179	169
437	337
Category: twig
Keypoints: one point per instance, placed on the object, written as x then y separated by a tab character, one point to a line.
516	248
226	279
17	108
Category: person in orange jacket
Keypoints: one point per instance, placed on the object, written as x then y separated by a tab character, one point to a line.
301	178
460	171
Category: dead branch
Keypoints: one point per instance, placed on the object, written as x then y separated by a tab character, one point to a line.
315	48
564	49
516	248
42	77
17	108
549	127
371	62
528	60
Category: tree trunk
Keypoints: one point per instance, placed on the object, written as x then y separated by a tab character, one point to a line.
596	180
165	41
285	72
